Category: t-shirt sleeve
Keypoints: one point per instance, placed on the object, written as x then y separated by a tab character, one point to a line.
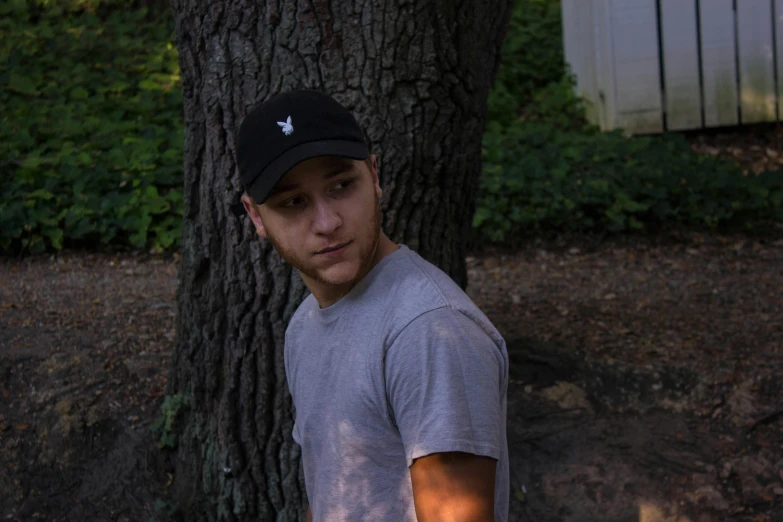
444	378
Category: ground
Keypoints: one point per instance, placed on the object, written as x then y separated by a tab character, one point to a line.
646	376
646	380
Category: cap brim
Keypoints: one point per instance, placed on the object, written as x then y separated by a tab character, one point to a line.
266	180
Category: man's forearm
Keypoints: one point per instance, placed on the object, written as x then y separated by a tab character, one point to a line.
309	515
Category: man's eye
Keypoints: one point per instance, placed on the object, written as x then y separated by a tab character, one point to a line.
292	202
343	184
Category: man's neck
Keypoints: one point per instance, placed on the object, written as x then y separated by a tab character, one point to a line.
326	297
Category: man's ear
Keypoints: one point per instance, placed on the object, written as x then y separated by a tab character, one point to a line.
374	171
252	210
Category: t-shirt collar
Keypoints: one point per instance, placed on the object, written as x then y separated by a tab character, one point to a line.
334	311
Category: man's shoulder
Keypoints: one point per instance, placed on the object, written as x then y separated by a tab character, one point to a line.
419	289
423	283
457	303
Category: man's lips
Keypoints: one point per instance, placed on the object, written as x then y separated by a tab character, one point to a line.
333	248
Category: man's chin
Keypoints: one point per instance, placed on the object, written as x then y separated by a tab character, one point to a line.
337	275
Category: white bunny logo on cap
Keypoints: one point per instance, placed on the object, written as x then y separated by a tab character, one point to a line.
288	128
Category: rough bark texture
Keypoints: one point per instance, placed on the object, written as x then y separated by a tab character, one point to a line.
416	74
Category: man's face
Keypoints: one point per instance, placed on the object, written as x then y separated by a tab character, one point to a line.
323	203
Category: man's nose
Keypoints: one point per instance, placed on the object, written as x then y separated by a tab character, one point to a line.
325	218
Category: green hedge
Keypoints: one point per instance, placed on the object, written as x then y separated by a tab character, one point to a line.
538	178
91	140
547	170
91	132
532	58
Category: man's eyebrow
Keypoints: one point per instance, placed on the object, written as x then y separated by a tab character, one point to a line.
336	170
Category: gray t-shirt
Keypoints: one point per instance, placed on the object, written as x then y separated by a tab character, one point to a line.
403	366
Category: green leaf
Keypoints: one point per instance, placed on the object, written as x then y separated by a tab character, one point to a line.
149	85
83	158
33	162
55	236
23	84
79	93
39	194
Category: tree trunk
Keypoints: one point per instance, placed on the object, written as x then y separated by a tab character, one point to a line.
416	73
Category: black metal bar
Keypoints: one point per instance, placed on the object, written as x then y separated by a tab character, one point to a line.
775	58
661	65
737	63
701	62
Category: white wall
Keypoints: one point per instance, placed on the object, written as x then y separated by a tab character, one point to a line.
710	67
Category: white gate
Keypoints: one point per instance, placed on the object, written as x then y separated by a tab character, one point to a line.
655	65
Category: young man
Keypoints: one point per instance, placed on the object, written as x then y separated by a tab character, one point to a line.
397	378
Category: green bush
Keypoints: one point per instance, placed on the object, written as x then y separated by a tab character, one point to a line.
539	178
547	170
532	58
91	140
91	127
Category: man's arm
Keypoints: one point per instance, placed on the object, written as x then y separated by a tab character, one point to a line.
454	487
309	515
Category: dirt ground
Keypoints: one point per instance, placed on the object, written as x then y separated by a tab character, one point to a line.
646	379
85	341
646	382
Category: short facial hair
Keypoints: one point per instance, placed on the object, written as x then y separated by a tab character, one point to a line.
366	256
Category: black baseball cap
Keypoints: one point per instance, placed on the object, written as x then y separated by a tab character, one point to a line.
288	129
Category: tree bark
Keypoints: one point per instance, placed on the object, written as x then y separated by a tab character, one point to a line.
416	74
